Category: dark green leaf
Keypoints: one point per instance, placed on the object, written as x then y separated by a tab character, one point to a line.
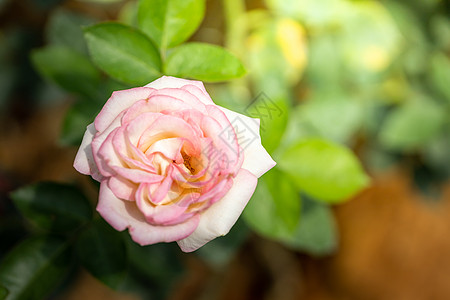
102	252
123	52
274	209
160	264
77	118
53	206
203	62
67	68
83	112
324	170
170	22
3	292
316	233
64	29
220	251
34	268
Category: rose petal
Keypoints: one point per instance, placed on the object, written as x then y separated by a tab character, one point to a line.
84	160
156	104
174	82
199	92
133	157
122	188
119	101
256	158
137	126
171	214
169	127
170	148
225	149
183	95
97	143
125	214
218	219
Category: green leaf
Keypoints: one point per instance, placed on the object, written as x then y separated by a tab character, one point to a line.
324	110
273	115
440	74
123	52
324	170
3	292
316	233
67	68
77	118
170	22
83	112
102	252
53	206
276	53
64	29
219	252
34	268
203	62
412	125
274	209
161	265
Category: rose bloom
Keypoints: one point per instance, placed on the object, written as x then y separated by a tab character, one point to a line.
171	163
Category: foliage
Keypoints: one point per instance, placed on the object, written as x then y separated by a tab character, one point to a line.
360	75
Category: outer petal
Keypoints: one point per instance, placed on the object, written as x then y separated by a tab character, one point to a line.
200	92
174	82
256	158
119	101
122	188
84	160
218	219
183	95
124	214
98	141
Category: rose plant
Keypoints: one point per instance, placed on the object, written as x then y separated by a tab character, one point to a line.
172	165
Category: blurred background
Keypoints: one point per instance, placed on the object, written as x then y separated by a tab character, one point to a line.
373	76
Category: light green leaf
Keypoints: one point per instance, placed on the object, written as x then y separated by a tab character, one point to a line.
102	252
440	74
34	268
170	22
67	68
203	62
123	52
325	110
53	206
316	233
274	209
310	12
273	116
276	52
324	74
324	170
412	125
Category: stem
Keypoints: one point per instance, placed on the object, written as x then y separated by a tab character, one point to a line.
235	25
236	31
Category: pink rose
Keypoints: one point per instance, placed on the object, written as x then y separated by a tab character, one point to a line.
173	166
